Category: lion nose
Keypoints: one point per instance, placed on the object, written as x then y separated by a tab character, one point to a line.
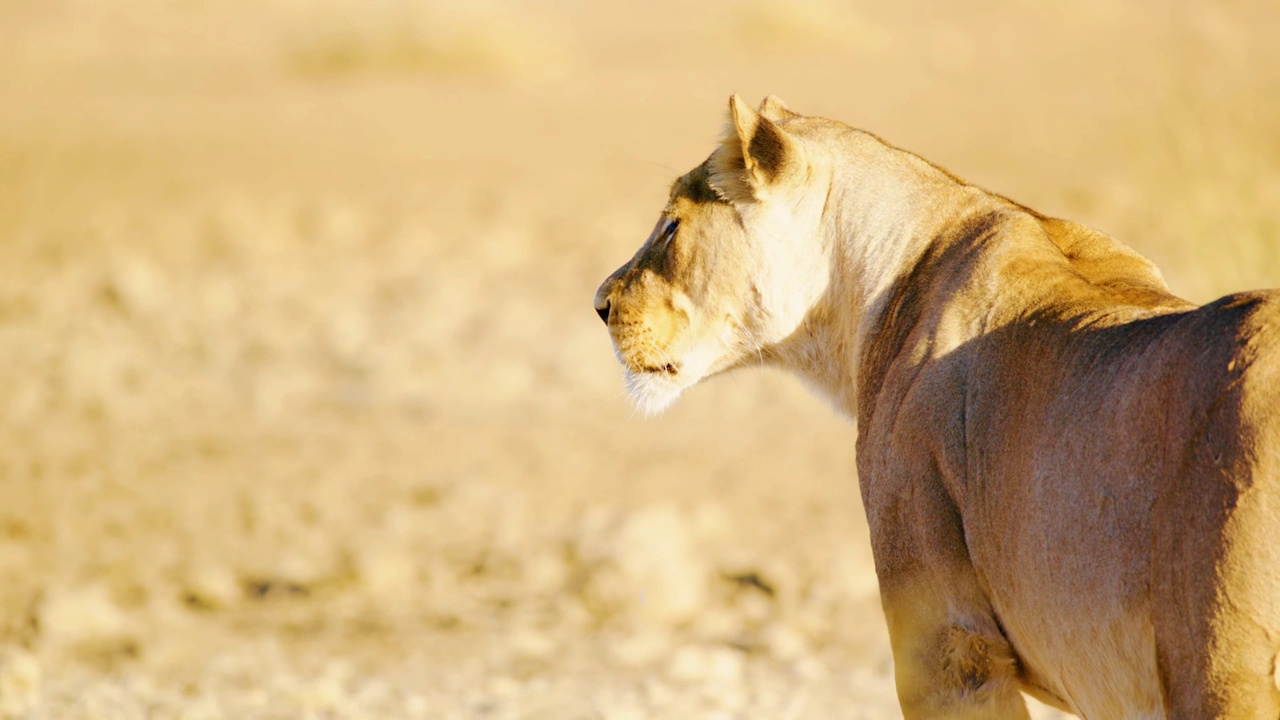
603	293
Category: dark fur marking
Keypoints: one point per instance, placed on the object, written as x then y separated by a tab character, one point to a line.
768	149
696	186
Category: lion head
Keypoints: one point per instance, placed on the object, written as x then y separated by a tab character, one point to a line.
729	270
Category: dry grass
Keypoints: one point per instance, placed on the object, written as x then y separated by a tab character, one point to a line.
306	412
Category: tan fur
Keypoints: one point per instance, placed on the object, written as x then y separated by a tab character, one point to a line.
1071	477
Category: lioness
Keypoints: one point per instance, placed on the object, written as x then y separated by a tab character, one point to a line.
1071	476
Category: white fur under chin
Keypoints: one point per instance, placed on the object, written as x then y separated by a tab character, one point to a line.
652	392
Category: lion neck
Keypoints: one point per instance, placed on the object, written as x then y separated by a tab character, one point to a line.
883	214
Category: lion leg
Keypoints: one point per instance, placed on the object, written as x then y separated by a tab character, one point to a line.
1218	629
1215	578
949	664
950	657
1224	667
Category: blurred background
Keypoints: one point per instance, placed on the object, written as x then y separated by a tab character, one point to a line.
305	409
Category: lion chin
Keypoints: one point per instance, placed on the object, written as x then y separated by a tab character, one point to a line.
652	392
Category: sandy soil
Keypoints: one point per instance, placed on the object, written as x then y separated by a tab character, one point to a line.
306	411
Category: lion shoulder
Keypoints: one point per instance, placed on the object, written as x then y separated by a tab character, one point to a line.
1104	261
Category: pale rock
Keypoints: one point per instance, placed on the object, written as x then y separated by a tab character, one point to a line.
591	532
813	617
530	644
20	678
322	695
388	574
310	563
664	578
784	643
416	706
713	665
809	668
373	693
755	607
728	698
213	586
502	687
623	712
572	614
203	708
348	334
795	705
640	650
657	693
545	573
82	615
135	284
341	225
687	665
725	666
712	524
220	302
717	623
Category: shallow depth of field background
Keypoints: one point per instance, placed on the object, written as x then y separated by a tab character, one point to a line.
304	409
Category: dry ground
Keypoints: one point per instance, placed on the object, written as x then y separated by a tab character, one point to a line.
305	409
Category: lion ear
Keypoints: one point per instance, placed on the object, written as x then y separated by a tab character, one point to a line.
754	156
776	110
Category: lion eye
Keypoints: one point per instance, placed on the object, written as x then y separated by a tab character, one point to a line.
670	231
